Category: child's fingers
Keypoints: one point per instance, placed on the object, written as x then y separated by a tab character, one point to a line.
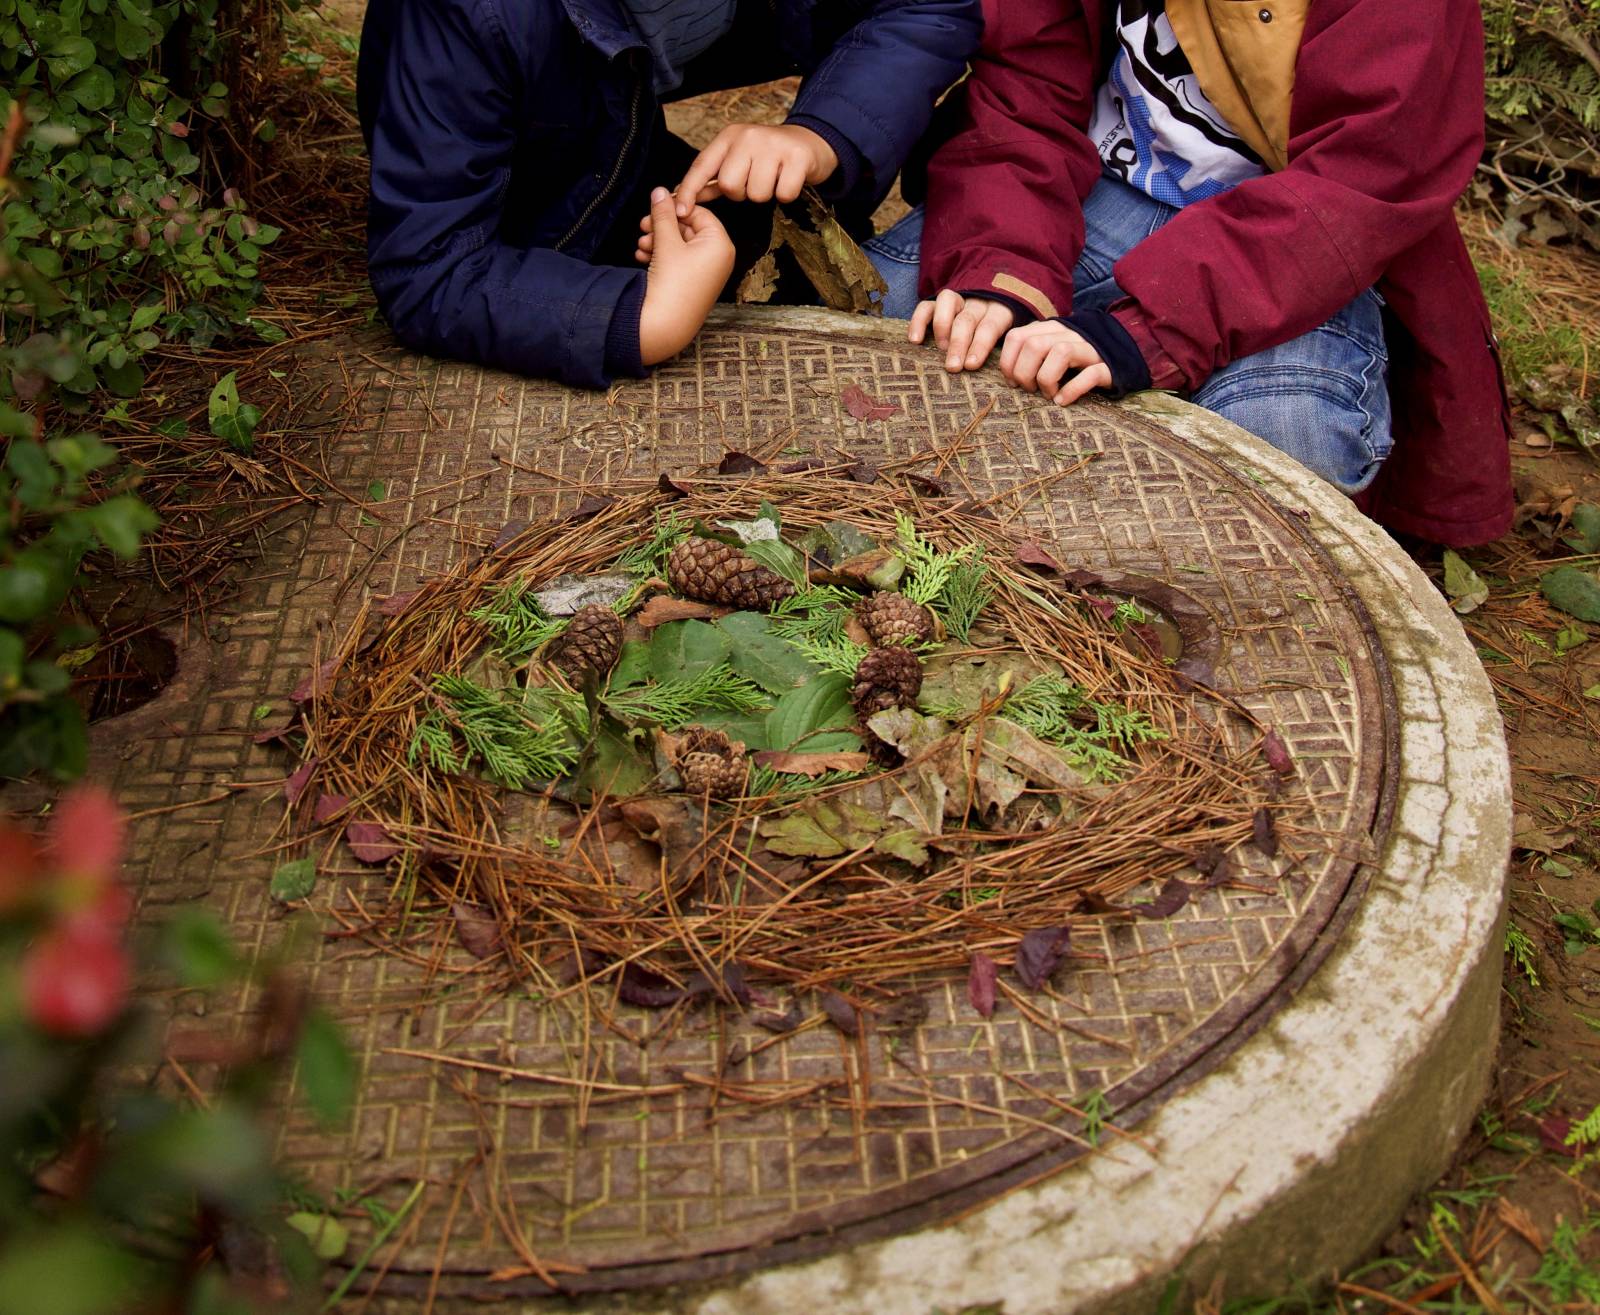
947	305
702	223
1083	383
791	181
710	192
1025	370
701	171
1016	341
996	320
1052	370
664	231
733	173
762	183
920	319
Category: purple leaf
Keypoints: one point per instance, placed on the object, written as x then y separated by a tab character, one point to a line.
329	805
279	733
395	604
1040	953
1104	606
1277	754
370	843
508	532
780	1023
927	485
589	508
739	463
477	930
1146	634
983	978
318	683
673	486
1033	554
863	472
1172	897
841	1013
864	406
1264	832
803	464
639	986
1553	1134
295	786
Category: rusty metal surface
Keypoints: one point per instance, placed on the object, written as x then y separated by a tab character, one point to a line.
645	1193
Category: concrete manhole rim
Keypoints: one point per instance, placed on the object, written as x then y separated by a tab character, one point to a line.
1302	1148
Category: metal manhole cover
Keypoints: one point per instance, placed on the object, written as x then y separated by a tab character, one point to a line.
632	1191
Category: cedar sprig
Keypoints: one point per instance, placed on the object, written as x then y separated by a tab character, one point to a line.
674	703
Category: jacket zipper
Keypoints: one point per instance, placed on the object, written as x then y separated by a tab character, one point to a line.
616	172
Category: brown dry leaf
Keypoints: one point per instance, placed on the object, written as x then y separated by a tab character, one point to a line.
674	827
862	405
811	764
1520	1222
477	930
829	258
760	281
663	608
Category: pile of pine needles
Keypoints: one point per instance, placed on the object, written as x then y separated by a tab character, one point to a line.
715	916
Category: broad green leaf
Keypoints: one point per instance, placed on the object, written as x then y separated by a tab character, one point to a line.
1585	530
836	542
681	650
145	316
750	729
328	1237
1575	592
11	653
1570	637
28	588
763	657
907	845
224	398
220	1153
633	667
823	828
294	880
121	522
93	89
78	454
327	1069
69	56
822	703
124	380
779	558
619	766
198	950
1463	585
67	1269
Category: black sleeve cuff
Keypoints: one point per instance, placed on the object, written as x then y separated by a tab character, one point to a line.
852	164
622	338
1104	332
1021	312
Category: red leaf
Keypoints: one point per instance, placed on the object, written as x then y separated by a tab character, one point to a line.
86	835
739	463
590	507
673	486
1264	832
508	532
318	683
1553	1133
983	977
1146	635
780	1023
863	406
370	843
295	786
662	608
1104	606
1277	754
841	1013
1040	953
927	485
328	806
639	986
75	979
395	604
1032	554
276	733
477	930
179	130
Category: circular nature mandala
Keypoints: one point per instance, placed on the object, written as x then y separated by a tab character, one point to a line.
793	743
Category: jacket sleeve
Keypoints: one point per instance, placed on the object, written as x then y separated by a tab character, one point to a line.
442	136
1387	128
876	88
1004	193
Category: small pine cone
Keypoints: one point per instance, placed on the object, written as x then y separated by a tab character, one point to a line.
715	572
591	641
894	619
886	678
711	764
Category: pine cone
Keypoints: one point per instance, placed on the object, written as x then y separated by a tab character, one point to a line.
886	678
591	641
720	573
711	764
894	619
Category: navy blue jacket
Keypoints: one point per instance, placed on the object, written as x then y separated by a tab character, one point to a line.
507	136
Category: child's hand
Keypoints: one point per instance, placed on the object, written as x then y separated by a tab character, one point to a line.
753	162
1038	356
690	260
965	329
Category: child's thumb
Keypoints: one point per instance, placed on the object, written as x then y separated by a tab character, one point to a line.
664	220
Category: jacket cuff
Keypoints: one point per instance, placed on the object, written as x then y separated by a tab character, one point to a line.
1163	370
852	164
1117	348
1021	312
622	338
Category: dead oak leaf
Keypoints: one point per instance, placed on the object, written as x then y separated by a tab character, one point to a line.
865	407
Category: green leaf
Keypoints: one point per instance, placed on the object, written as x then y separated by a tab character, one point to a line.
632	668
145	316
1464	586
224	399
11	654
1585	535
1593	692
1570	637
69	56
80	453
121	522
750	729
1575	592
328	1237
682	650
66	1269
266	130
28	588
294	880
779	558
327	1069
822	703
823	828
198	950
837	541
907	845
124	380
763	657
617	766
377	491
93	89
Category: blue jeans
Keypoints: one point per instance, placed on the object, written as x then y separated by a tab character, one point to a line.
1323	398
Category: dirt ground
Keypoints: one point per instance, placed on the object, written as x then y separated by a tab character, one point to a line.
1512	1226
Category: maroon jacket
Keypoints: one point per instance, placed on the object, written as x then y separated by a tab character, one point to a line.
1386	129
